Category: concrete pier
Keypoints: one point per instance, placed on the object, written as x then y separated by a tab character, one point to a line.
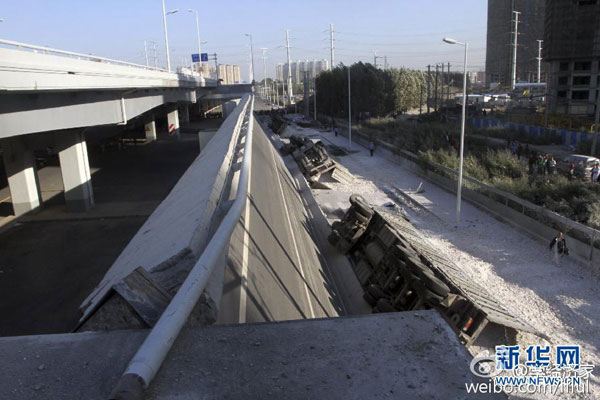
75	170
21	171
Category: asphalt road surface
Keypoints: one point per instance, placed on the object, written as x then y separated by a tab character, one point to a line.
274	268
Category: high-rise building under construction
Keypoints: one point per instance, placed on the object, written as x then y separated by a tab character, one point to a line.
500	40
572	53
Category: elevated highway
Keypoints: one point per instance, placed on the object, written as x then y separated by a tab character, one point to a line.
55	99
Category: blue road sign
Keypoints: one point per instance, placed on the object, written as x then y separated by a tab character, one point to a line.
196	57
204	57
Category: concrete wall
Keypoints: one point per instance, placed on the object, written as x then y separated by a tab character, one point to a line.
567	137
178	230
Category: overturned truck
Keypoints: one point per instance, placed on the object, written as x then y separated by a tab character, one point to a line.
313	160
400	271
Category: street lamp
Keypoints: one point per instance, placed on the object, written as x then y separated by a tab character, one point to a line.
165	13
197	30
251	57
462	128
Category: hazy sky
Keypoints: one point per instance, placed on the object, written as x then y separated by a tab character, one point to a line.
409	32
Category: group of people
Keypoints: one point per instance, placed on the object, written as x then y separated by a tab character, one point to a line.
517	149
541	164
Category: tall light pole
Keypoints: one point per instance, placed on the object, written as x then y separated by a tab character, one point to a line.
264	57
514	66
331	45
539	60
462	129
251	58
349	112
197	31
165	13
289	77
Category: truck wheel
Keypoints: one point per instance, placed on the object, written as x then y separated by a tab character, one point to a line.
360	217
333	238
361	205
370	299
437	286
376	292
383	305
431	298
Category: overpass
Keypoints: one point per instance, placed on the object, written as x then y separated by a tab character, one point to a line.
234	232
57	99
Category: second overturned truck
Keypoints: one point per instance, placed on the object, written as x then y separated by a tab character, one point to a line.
400	271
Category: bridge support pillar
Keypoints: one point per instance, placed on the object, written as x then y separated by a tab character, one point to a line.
150	129
21	171
173	123
229	106
184	113
75	170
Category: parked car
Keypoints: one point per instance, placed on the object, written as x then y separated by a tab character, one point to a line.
583	165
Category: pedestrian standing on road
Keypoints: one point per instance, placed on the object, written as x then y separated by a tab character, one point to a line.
572	171
335	130
513	149
371	148
551	165
559	246
595	173
531	163
541	164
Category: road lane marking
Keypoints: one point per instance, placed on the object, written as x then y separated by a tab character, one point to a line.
4	199
287	214
245	251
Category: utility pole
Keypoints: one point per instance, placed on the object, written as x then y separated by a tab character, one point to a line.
442	87
331	45
449	78
216	67
146	52
539	60
428	86
375	57
420	99
349	112
154	54
435	96
264	57
289	77
315	97
514	66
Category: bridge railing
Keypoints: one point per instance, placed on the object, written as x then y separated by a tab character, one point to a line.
71	54
146	362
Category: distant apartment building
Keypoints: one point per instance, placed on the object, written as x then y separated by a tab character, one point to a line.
237	76
477	78
313	67
572	54
228	74
500	40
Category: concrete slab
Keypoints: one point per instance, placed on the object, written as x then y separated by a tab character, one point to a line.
410	355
